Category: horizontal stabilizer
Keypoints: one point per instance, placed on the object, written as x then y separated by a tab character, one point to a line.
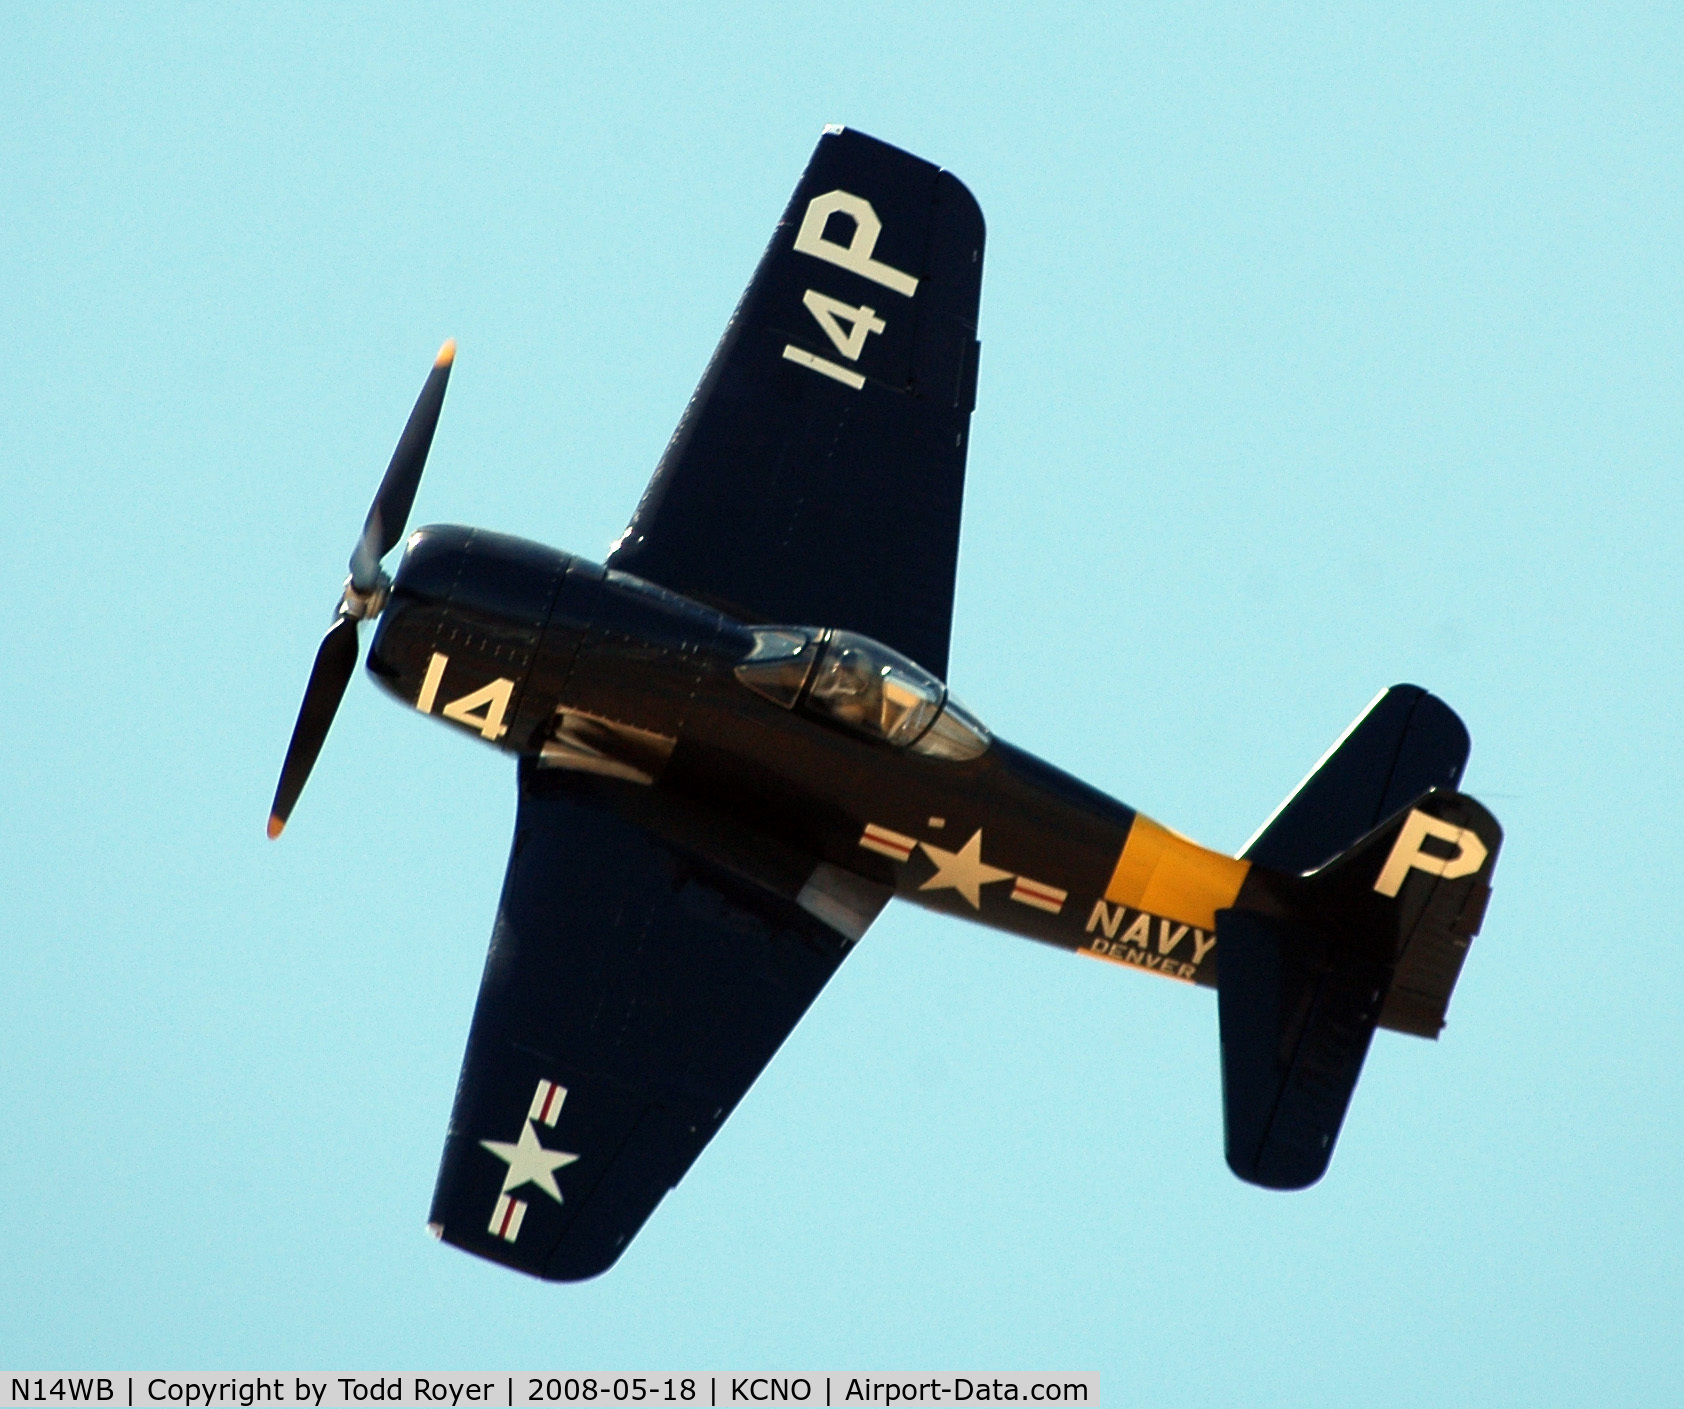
1301	988
1404	743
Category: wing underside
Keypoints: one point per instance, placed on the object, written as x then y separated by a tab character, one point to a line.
645	965
817	473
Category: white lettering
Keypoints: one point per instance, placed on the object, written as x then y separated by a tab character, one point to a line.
1104	915
493	699
832	313
1406	854
430	682
856	254
1166	940
823	366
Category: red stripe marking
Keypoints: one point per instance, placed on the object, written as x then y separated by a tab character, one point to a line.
888	839
545	1114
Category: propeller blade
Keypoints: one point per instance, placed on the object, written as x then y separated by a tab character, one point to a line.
389	513
336	659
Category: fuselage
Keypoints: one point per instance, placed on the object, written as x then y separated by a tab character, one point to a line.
581	668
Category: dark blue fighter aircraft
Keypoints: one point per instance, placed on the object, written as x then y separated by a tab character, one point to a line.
735	745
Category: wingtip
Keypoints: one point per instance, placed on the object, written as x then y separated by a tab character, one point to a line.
447	353
276	825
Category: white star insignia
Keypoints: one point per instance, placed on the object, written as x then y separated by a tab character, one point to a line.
529	1162
964	870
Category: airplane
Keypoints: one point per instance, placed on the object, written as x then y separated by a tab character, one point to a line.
736	744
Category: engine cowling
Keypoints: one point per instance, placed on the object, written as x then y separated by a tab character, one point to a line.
463	633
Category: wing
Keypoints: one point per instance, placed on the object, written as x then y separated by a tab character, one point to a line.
817	473
646	963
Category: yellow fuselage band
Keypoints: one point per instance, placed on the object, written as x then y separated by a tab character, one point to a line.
1164	874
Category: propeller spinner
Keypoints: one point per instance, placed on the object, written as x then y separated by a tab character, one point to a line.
365	590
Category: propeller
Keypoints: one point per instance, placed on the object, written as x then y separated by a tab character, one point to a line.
365	590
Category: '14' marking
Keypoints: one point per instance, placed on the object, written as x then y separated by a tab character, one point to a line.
856	255
493	699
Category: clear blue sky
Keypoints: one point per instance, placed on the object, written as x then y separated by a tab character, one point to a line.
1324	347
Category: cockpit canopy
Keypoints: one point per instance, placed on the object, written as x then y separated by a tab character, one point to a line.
862	685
